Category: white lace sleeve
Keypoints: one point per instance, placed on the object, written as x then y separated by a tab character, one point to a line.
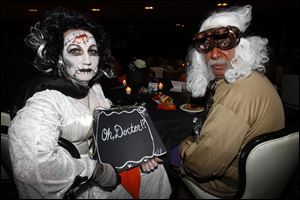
41	167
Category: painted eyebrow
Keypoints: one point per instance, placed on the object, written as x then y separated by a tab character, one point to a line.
78	46
93	45
73	46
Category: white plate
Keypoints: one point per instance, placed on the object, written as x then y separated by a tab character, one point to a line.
200	109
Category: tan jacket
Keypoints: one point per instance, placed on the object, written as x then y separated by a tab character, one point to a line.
240	112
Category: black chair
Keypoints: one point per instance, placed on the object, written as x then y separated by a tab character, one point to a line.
266	165
6	171
290	99
290	91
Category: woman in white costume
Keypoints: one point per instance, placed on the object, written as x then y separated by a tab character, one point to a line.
72	54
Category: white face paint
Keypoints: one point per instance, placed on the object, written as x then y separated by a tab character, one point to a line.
80	55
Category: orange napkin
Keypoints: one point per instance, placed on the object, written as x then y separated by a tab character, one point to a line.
131	180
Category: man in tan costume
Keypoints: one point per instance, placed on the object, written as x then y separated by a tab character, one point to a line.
245	103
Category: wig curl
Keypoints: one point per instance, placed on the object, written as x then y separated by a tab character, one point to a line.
47	36
198	76
250	54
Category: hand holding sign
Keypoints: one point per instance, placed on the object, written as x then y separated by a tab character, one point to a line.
150	165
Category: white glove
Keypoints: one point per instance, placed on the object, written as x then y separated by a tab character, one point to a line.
150	165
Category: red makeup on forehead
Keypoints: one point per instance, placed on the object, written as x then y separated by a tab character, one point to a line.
81	38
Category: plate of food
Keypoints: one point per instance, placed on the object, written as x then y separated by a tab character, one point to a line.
191	108
164	102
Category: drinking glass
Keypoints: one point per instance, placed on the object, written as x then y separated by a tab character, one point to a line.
186	95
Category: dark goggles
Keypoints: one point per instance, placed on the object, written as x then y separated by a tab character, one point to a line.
224	37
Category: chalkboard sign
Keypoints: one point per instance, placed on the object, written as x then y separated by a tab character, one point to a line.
125	136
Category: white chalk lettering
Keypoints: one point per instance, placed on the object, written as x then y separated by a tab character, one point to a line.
106	134
120	131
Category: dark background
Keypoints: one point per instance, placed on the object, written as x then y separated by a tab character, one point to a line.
143	33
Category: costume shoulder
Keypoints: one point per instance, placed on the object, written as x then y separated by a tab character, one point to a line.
41	83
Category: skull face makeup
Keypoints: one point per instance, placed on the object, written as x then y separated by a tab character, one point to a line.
80	55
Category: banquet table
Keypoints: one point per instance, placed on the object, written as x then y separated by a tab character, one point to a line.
172	125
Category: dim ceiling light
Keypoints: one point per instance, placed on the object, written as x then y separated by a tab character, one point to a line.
95	9
222	4
179	25
32	10
149	7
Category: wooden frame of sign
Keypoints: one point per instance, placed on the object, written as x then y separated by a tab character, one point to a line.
125	137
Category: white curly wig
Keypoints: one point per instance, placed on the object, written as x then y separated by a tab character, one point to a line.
250	54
